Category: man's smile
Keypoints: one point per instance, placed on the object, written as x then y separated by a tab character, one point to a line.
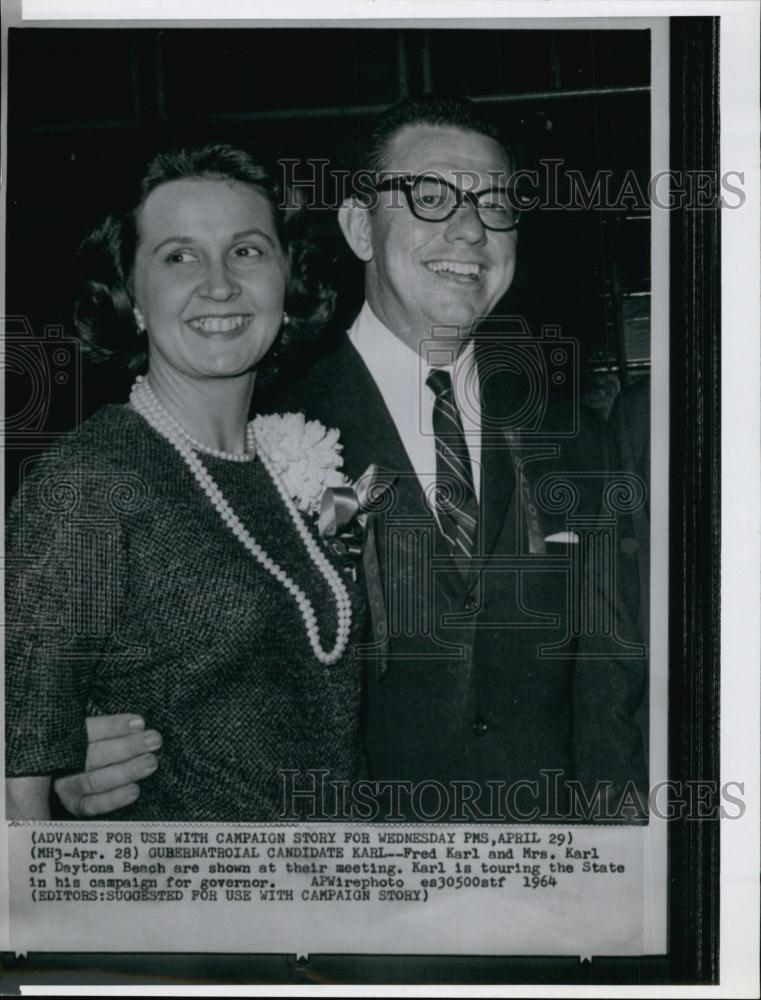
455	270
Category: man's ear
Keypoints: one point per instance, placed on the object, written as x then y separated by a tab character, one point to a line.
354	220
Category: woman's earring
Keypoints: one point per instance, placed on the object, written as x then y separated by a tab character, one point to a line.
286	319
139	320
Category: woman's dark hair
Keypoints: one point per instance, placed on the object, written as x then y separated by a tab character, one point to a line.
105	260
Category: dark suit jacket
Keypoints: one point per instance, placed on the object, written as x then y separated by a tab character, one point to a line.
630	422
498	677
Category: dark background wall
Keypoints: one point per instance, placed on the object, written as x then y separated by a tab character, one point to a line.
87	105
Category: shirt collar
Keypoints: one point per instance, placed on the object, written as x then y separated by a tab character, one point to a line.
379	346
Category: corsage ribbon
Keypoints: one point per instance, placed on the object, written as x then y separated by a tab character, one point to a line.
348	523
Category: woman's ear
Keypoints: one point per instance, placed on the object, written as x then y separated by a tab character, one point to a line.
355	223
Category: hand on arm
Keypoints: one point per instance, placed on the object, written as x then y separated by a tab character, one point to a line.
119	755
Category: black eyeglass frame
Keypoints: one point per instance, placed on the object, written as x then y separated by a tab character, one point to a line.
407	182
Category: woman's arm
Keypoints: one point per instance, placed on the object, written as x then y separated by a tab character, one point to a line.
49	660
27	798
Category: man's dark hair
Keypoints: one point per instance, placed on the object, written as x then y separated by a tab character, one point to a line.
446	112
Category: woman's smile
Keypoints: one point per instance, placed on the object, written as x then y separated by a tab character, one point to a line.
220	324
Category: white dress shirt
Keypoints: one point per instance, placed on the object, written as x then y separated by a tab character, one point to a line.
400	374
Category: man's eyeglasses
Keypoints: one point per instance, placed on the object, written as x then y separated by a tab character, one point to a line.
433	199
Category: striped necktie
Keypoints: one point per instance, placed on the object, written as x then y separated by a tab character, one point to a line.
456	504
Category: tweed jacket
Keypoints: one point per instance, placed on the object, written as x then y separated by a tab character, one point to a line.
127	592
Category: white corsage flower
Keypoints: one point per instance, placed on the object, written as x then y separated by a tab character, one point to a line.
306	456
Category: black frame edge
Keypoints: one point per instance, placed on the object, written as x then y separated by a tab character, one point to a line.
693	643
694	543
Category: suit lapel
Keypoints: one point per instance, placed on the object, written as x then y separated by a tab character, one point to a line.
369	432
340	392
497	488
352	402
497	469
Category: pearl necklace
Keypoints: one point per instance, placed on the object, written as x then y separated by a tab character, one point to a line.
145	403
229	456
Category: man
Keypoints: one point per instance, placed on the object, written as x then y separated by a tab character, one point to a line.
479	671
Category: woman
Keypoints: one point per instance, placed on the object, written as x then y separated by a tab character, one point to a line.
160	560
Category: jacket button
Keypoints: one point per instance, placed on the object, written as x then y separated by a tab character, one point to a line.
471	605
480	727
